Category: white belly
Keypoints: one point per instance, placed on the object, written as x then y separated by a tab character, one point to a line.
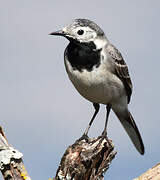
98	86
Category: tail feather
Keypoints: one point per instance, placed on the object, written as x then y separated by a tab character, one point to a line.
129	125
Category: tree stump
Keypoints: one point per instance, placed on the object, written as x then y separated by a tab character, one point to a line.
87	159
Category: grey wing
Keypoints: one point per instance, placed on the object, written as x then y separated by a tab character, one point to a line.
121	69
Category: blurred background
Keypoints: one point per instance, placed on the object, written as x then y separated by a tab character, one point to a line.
41	111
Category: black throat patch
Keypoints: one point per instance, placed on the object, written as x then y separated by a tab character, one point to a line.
82	56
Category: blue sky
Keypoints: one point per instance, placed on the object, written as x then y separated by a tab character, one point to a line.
41	111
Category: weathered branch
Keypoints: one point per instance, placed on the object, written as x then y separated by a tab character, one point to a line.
11	164
86	159
151	174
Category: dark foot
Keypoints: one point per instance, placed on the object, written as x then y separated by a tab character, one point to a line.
84	136
104	135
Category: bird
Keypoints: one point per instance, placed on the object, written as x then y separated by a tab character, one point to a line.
99	73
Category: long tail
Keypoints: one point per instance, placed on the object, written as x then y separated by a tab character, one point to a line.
129	125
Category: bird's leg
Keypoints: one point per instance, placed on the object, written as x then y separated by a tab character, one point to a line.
96	106
108	107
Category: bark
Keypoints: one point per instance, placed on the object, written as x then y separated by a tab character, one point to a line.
11	164
86	159
151	174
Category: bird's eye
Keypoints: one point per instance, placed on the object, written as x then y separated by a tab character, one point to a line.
80	32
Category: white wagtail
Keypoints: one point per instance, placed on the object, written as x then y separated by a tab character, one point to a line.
99	73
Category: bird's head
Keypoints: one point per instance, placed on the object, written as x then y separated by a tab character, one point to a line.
85	32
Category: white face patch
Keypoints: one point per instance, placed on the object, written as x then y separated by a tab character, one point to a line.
100	43
88	34
85	34
64	29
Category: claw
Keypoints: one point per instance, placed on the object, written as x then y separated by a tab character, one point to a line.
104	134
84	136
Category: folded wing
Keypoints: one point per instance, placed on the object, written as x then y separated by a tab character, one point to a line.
121	69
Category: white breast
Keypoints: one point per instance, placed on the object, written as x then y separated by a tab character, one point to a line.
98	85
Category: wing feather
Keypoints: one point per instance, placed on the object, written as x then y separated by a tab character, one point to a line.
121	69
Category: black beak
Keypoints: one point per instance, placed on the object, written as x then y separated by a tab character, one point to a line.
58	33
